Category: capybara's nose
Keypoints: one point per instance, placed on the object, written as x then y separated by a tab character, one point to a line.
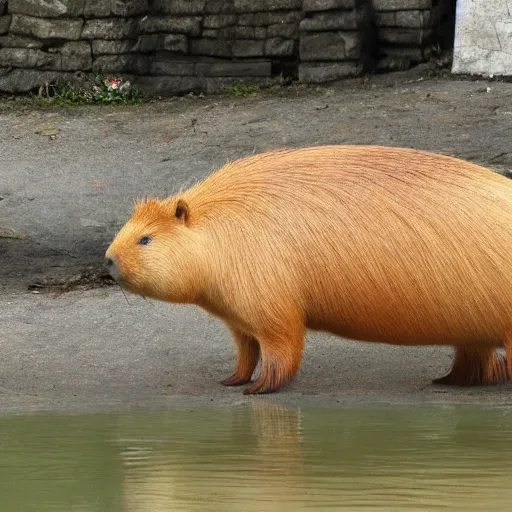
112	266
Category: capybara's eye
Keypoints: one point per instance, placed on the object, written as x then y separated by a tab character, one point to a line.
145	240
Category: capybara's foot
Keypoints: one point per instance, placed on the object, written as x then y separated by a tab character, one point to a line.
280	360
260	387
274	375
248	357
473	367
236	380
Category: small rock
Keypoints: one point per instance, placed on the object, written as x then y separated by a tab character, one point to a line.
89	223
47	129
11	233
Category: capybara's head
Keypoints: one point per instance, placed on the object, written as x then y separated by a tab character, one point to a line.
153	253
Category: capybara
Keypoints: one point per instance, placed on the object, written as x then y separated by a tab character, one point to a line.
370	243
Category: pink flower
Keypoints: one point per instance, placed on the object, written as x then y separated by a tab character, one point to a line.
115	84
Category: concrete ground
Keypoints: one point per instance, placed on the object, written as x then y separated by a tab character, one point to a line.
78	344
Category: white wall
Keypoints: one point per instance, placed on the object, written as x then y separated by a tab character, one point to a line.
483	37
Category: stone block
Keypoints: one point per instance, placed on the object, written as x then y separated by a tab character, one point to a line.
330	46
47	9
243	6
219	20
413	19
385	19
3	7
111	28
262	19
402	54
210	47
244	32
29	58
97	8
327	5
190	25
13	41
284	17
223	68
322	72
112	47
69	29
411	54
333	20
393	64
177	6
177	43
404	35
211	33
259	19
277	47
150	43
167	85
76	55
248	48
219	6
26	80
260	32
5	23
277	5
286	30
401	5
228	32
127	63
164	65
409	19
129	7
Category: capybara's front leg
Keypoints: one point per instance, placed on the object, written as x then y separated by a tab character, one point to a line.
248	350
474	366
280	360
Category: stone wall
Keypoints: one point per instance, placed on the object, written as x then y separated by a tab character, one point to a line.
483	38
409	29
178	46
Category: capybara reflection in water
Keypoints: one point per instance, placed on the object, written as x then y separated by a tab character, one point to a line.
370	243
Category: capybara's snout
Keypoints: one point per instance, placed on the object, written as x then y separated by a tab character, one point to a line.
112	265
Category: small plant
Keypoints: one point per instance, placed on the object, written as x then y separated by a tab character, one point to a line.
103	90
241	90
114	91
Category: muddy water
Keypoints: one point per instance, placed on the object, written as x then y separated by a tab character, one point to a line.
259	458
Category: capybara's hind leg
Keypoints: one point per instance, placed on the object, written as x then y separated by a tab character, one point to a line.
281	356
476	365
248	356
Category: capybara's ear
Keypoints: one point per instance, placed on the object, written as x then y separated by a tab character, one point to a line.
182	210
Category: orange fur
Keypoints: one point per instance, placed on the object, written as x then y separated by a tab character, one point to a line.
370	243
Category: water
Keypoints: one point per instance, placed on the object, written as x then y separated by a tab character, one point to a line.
259	458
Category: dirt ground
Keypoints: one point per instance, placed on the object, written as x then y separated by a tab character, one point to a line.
63	196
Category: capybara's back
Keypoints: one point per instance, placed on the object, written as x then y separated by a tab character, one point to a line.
371	243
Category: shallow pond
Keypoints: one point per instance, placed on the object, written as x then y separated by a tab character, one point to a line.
259	458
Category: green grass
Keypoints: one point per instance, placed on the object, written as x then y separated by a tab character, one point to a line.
242	90
102	91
